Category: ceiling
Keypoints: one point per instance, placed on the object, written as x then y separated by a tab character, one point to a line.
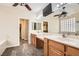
37	7
70	8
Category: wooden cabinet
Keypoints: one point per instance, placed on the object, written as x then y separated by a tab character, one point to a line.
52	48
55	48
71	51
56	45
45	47
37	42
40	43
33	38
55	52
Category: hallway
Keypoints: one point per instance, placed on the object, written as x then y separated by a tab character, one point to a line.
23	50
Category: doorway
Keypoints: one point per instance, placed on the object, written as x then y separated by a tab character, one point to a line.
24	29
45	26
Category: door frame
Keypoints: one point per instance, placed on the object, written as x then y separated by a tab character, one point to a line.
21	28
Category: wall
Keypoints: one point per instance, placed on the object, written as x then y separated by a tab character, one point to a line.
9	23
3	46
53	24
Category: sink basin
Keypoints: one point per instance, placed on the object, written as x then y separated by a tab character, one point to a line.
70	40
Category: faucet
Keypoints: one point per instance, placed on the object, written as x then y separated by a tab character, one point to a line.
38	31
64	35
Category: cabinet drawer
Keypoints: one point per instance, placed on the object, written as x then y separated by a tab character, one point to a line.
56	45
55	52
33	38
72	51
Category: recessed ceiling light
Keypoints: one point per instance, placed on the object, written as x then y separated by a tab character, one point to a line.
57	5
61	3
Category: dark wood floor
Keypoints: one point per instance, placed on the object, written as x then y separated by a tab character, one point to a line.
23	50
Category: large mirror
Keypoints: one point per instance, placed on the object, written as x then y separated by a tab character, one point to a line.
36	26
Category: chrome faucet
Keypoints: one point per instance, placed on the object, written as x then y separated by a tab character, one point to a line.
64	35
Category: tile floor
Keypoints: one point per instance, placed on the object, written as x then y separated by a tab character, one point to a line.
23	50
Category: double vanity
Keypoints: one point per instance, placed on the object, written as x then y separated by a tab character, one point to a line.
56	44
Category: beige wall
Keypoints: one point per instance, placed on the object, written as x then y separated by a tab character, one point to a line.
9	23
75	14
53	24
9	26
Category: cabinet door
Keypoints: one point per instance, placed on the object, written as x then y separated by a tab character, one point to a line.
33	38
56	45
72	51
55	48
39	43
54	52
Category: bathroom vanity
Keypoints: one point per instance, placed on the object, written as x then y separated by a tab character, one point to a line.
37	41
61	47
56	44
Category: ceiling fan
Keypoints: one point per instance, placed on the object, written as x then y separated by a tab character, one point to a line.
22	4
63	13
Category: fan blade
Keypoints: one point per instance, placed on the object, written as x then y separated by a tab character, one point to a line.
15	4
56	15
63	13
28	7
59	15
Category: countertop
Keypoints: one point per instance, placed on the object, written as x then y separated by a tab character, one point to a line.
69	41
42	35
58	37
